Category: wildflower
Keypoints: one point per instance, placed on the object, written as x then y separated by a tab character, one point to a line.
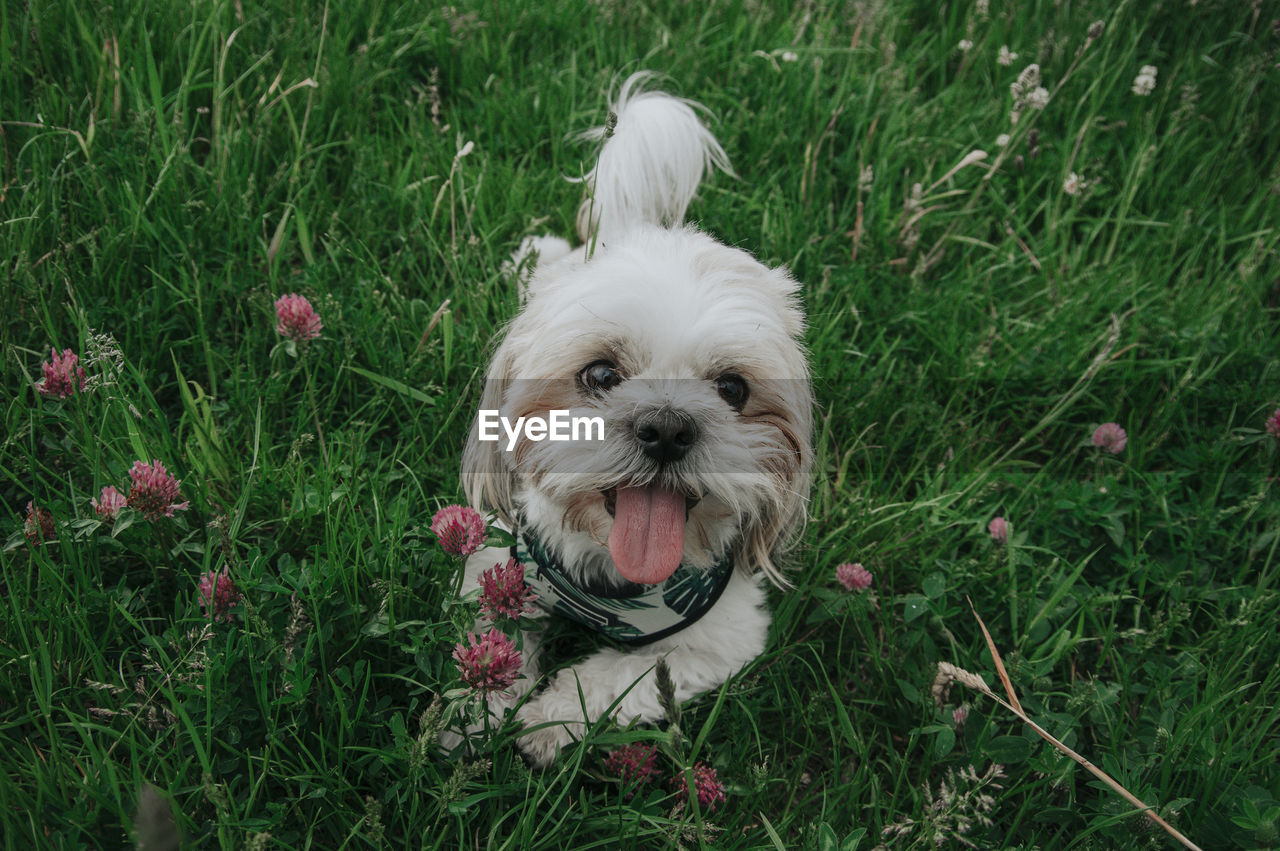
959	715
633	764
965	45
38	526
297	319
788	56
108	505
1111	437
63	375
491	662
853	577
1273	424
999	530
503	593
1002	140
1005	56
218	594
1074	184
460	529
154	492
1145	82
706	784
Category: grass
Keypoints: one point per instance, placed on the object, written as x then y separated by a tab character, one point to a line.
170	169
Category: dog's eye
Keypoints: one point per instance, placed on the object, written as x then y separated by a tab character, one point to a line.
733	389
599	376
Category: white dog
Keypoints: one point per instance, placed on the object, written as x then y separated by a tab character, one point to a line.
658	531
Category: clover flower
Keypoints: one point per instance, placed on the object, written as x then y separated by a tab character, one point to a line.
154	493
488	664
1074	184
459	528
706	784
1111	437
854	577
297	320
63	375
632	764
503	593
1145	82
965	45
38	525
999	530
1273	424
109	503
1005	56
218	593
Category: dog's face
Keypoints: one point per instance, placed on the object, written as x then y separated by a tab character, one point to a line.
688	352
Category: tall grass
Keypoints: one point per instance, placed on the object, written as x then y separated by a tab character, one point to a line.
170	169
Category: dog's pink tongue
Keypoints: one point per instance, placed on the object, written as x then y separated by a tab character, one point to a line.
647	539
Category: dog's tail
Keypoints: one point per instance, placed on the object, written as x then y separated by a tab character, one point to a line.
655	153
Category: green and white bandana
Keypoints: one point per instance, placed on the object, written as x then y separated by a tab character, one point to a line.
633	614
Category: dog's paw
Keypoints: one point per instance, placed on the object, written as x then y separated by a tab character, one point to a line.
542	746
541	743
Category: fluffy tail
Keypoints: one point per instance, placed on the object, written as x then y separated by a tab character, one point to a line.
654	156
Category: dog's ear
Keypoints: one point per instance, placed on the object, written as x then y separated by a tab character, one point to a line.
488	479
766	541
768	536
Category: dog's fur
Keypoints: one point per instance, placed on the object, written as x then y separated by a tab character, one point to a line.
674	312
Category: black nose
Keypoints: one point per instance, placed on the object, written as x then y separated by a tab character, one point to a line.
666	435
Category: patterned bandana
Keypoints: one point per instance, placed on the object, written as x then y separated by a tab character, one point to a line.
633	614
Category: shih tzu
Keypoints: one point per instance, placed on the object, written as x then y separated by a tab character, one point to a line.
681	359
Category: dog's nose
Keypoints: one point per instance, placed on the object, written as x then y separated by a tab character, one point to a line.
666	435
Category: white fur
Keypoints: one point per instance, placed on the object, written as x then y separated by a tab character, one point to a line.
675	310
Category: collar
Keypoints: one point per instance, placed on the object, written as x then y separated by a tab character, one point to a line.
633	614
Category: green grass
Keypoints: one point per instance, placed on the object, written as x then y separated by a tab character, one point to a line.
170	169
